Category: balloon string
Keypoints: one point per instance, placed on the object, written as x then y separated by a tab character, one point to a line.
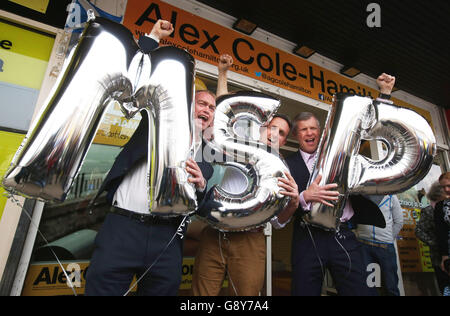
11	196
348	256
316	251
179	232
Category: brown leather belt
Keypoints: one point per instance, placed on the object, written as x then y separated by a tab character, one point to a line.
374	244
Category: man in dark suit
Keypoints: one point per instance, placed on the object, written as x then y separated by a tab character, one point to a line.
315	249
132	241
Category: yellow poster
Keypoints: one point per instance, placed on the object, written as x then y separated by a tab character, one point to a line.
9	142
414	255
48	278
115	129
24	56
37	5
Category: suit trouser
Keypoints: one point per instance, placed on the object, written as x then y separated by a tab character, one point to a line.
241	255
125	247
314	250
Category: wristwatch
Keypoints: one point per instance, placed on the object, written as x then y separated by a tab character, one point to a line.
384	96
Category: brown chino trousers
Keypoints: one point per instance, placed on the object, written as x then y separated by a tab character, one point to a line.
241	255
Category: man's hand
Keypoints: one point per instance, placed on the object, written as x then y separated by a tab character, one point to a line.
161	29
197	177
386	83
322	194
225	62
290	189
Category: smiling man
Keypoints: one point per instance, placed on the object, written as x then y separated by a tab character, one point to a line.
205	106
239	255
315	249
131	238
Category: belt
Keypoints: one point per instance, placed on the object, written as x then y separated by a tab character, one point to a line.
374	244
343	226
146	218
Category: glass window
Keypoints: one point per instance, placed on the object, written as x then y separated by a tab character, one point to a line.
24	56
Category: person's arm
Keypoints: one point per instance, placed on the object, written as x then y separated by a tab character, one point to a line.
225	62
422	230
290	188
397	216
161	29
196	175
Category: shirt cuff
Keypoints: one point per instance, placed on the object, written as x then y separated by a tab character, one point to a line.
384	100
201	190
276	224
155	38
305	206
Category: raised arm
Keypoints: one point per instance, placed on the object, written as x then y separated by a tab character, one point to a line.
225	62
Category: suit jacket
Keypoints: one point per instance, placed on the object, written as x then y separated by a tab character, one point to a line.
366	212
137	148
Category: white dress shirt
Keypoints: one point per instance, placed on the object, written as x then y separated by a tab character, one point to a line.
132	193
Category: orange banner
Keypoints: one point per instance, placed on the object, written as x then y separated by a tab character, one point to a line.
206	40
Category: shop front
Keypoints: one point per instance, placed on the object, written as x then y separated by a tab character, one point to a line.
50	254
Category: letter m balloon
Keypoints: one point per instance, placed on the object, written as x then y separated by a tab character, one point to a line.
108	66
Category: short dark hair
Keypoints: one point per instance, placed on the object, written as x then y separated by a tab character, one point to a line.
303	116
445	175
284	117
435	193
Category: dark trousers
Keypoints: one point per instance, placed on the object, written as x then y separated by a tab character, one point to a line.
315	250
386	257
126	247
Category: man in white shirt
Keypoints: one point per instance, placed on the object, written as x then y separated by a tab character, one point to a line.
132	241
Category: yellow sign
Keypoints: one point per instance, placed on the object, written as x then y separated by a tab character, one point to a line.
414	255
24	56
115	129
37	5
48	279
9	142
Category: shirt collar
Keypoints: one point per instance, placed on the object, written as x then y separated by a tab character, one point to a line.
306	156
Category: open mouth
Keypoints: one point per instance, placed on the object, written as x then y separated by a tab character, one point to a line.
310	141
202	117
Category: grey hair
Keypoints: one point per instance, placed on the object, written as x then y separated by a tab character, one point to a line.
303	116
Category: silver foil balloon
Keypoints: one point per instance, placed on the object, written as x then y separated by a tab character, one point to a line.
107	66
258	165
409	139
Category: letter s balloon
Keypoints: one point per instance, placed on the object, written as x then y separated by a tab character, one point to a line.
258	165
